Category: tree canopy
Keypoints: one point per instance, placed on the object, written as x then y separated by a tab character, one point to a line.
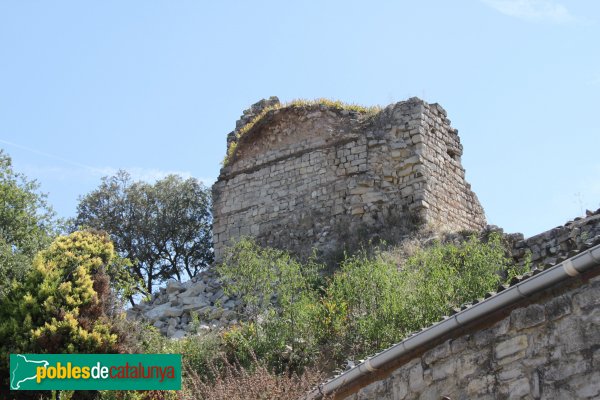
27	222
163	228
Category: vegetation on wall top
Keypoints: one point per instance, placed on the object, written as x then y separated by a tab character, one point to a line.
295	104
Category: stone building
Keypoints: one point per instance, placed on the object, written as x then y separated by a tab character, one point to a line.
318	174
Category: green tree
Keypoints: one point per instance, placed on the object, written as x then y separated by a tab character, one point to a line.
164	228
27	222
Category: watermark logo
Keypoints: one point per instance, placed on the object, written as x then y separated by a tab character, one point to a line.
95	371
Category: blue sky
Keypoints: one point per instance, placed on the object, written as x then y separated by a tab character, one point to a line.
87	88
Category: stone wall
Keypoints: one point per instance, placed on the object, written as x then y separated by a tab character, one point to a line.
548	348
549	246
307	176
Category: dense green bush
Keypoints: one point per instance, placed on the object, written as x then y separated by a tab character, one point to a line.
449	275
369	294
379	303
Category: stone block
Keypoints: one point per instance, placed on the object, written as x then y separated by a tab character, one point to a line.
158	324
516	389
558	307
376	390
567	334
469	363
437	353
358	210
399	390
510	346
172	312
174	287
443	369
197	300
459	344
565	367
586	386
588	298
177	334
510	372
527	317
480	386
157	312
415	377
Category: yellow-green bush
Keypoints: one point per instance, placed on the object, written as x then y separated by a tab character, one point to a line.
61	305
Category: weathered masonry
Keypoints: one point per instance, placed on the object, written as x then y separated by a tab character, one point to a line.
304	175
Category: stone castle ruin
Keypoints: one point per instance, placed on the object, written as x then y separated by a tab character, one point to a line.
313	175
309	175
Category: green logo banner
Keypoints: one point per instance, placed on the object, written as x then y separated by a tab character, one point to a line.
95	371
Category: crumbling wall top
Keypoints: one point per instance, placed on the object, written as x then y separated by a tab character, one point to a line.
265	111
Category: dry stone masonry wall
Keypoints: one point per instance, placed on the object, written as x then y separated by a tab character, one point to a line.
304	176
549	246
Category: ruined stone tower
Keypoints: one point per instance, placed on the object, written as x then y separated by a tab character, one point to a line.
310	174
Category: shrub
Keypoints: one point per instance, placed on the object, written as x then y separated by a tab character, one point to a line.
235	382
449	275
200	353
370	292
279	293
378	304
62	305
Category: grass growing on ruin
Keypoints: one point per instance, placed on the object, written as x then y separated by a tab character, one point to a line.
335	104
298	103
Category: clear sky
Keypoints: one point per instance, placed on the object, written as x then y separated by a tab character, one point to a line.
89	87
